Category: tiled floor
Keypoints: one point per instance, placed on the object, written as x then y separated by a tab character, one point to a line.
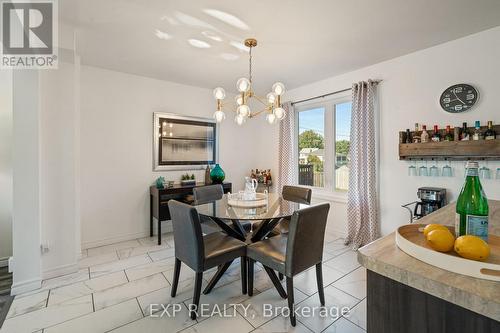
116	285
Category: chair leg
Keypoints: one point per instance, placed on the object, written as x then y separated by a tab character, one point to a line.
211	284
175	282
159	232
193	309
251	263
291	305
243	262
280	276
319	279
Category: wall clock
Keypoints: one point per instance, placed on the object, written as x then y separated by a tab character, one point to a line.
458	98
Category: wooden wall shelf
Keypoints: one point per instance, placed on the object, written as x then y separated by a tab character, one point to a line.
451	150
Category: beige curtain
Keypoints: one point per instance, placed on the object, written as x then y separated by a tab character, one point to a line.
362	201
287	168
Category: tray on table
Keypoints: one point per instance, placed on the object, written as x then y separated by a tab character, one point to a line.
410	239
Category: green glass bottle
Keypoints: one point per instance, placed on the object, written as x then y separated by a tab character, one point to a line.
472	206
217	175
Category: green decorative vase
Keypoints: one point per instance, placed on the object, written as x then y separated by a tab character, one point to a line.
217	175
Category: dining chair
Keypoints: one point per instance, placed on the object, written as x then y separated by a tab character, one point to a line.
297	194
203	195
294	253
291	193
210	193
201	253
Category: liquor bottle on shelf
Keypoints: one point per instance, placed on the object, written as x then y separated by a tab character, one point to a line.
408	136
477	135
472	206
464	134
424	137
436	137
416	134
490	134
448	135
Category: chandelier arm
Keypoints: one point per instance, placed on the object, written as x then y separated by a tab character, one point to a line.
261	100
255	114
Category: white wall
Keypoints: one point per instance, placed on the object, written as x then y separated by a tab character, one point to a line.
60	223
409	93
116	148
26	181
5	165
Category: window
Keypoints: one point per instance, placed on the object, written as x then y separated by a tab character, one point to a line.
312	147
342	142
323	138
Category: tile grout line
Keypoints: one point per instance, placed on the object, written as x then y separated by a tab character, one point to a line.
126	276
47	302
140	307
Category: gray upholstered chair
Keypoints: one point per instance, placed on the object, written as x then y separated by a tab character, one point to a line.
296	194
291	193
211	193
292	254
206	194
200	252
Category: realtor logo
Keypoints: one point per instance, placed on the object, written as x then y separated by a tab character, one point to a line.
29	34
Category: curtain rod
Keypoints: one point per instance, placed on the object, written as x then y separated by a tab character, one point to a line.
329	94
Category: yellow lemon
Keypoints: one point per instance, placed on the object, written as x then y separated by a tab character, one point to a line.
472	247
441	240
428	228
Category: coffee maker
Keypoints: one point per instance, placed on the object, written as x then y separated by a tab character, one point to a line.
431	199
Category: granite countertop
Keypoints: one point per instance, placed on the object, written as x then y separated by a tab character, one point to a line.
385	258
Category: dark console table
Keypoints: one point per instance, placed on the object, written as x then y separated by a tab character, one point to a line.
158	202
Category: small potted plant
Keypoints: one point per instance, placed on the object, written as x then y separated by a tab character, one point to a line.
187	180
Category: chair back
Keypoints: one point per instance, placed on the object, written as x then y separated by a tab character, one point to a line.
297	194
306	238
188	238
209	193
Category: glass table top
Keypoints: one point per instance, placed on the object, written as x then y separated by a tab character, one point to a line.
275	207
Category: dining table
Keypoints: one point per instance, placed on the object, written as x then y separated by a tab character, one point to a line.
228	216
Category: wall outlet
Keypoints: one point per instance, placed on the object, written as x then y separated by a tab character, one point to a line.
44	247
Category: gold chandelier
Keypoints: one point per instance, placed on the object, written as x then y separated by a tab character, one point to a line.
272	102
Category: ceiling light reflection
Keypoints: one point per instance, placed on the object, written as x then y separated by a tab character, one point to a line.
198	43
169	19
227	18
212	36
239	46
162	34
192	21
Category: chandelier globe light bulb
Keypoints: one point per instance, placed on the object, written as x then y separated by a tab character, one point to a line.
278	88
219	93
243	84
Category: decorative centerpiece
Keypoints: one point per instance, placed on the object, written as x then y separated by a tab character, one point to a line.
242	200
217	175
248	198
187	180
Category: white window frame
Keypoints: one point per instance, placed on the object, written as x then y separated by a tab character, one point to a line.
328	192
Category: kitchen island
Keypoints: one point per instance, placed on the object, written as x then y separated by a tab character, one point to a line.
406	295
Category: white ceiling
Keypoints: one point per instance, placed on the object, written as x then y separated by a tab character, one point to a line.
300	41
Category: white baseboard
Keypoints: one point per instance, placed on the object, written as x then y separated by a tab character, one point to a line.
60	270
25	286
165	228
